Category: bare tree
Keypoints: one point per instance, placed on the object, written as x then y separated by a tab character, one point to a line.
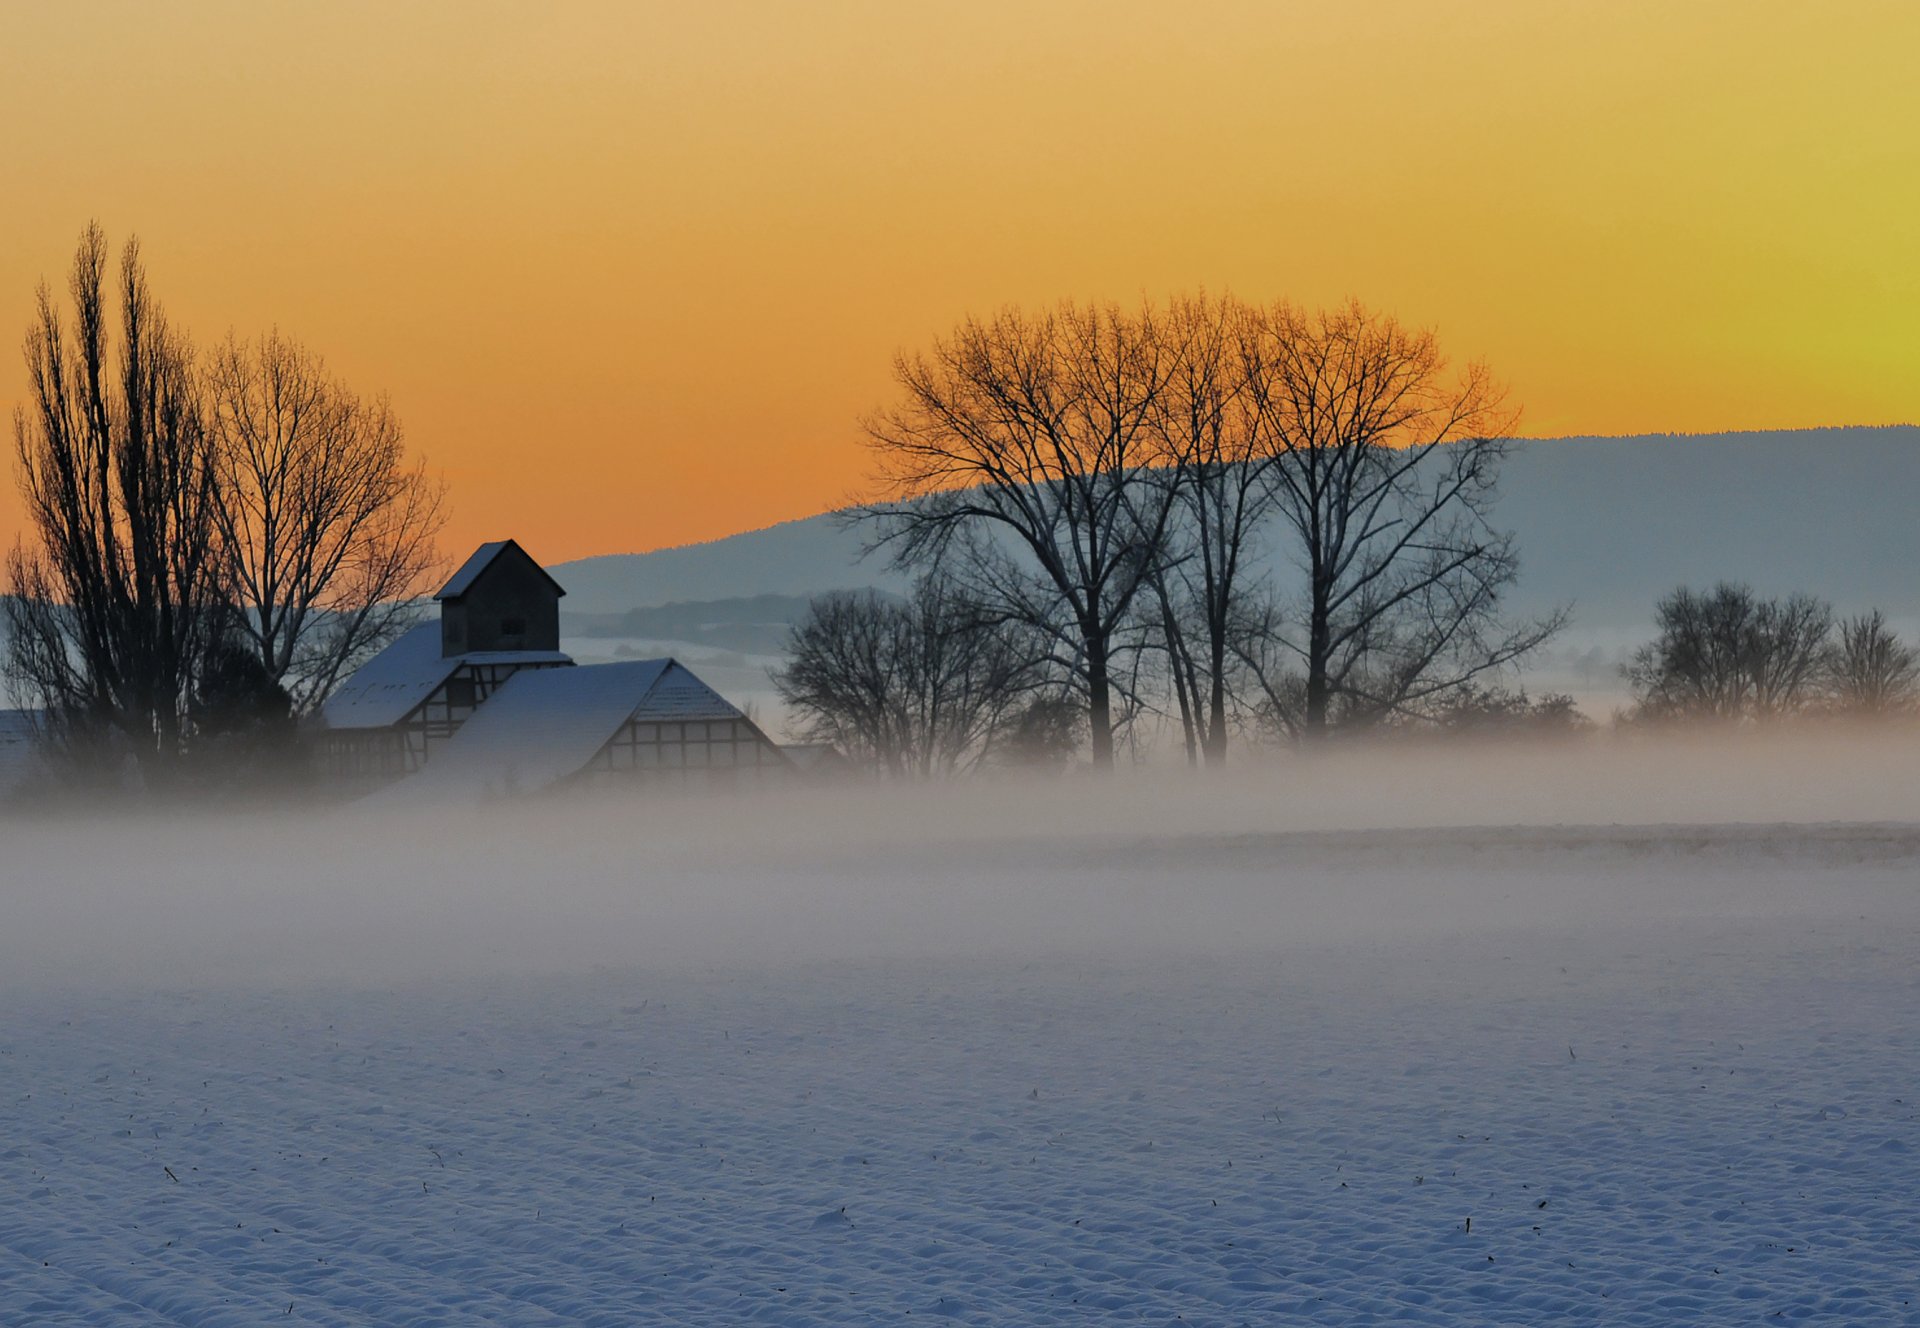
1696	668
328	528
918	688
1023	461
1790	648
841	676
1384	472
1871	671
113	601
1213	437
1730	656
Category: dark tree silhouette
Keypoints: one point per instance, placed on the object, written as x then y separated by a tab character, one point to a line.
1023	461
1384	472
1045	733
1726	655
245	735
327	529
113	601
1870	671
918	688
1216	449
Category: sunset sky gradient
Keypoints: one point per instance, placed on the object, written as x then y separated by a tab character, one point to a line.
632	273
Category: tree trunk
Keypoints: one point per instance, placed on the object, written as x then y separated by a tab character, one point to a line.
1215	748
1099	702
1319	646
1181	666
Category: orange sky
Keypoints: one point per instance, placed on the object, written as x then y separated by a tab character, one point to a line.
632	272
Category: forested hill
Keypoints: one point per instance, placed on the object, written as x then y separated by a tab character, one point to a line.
1607	524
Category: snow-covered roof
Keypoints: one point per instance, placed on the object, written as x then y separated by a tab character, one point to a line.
543	725
387	688
677	694
479	561
515	657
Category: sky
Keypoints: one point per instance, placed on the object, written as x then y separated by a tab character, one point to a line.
632	273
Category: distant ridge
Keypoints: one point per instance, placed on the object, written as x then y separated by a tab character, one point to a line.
802	557
1608	524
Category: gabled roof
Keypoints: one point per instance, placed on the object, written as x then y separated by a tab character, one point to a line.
387	688
546	724
677	694
480	560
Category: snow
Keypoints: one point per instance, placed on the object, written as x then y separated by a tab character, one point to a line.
1546	1074
388	687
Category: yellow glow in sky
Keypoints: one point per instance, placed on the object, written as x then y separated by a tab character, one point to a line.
632	273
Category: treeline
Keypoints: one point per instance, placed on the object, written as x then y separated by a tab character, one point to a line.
1089	497
1083	493
217	538
1727	657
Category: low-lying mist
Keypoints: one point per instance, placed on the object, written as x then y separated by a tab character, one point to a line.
1353	847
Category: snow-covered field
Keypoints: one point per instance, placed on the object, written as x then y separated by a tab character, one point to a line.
1630	1076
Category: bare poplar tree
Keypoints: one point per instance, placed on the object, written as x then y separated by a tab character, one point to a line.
1871	671
918	688
328	528
1384	473
1023	461
115	597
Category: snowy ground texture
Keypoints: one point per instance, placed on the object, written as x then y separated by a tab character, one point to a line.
1696	1113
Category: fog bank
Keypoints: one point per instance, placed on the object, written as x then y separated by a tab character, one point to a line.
1368	848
